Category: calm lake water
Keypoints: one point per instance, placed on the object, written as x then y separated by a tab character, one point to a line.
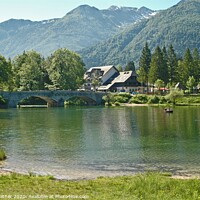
74	143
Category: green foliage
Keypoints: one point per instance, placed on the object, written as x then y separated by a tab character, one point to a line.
65	70
154	100
5	71
76	101
130	66
159	83
139	99
174	94
122	97
108	99
144	64
152	186
28	71
117	103
2	155
188	100
172	63
191	83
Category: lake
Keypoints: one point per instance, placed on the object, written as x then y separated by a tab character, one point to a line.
87	142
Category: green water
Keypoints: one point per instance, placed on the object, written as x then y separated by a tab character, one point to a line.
95	141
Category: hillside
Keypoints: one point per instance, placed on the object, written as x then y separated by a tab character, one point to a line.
178	25
82	27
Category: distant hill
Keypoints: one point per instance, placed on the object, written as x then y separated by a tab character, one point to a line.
178	25
82	27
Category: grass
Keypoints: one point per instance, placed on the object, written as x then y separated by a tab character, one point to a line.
147	186
2	155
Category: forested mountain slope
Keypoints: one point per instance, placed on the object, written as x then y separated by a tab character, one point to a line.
178	25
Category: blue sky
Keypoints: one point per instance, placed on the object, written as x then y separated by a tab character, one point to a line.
38	10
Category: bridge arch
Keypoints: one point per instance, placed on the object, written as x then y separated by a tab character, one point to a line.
89	101
49	101
53	98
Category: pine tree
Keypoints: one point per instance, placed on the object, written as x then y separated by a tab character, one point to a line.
172	63
164	68
144	65
185	68
158	67
196	65
130	66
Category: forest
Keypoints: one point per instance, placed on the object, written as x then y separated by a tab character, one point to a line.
62	70
162	68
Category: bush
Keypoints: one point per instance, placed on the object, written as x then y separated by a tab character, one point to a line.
2	155
139	99
117	104
122	97
162	100
154	99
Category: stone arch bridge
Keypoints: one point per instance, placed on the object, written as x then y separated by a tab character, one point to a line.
53	98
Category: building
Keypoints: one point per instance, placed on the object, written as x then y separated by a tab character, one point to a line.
125	82
99	76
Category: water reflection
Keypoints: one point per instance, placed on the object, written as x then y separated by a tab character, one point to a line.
85	142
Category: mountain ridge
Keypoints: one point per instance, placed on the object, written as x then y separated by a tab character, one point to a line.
82	27
178	25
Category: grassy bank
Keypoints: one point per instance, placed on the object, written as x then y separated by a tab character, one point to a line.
146	186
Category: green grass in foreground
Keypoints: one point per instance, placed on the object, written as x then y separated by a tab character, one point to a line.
145	186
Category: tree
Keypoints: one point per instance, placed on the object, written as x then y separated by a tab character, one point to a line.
130	66
174	94
185	68
144	65
28	71
196	65
158	69
159	83
5	72
172	63
191	83
65	69
119	68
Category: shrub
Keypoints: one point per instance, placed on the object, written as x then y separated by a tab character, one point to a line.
2	155
117	103
139	99
122	97
162	100
154	99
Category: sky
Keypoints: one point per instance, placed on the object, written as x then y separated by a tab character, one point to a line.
37	10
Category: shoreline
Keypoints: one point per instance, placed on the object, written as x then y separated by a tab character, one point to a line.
4	172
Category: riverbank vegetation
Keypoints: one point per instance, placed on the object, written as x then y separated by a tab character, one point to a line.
2	155
142	186
175	97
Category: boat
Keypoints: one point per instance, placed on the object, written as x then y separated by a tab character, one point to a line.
168	110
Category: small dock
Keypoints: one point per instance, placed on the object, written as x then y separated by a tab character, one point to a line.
32	106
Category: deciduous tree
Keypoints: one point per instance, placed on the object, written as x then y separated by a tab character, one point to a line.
65	69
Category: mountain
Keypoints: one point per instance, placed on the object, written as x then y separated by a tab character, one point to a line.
178	25
82	27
